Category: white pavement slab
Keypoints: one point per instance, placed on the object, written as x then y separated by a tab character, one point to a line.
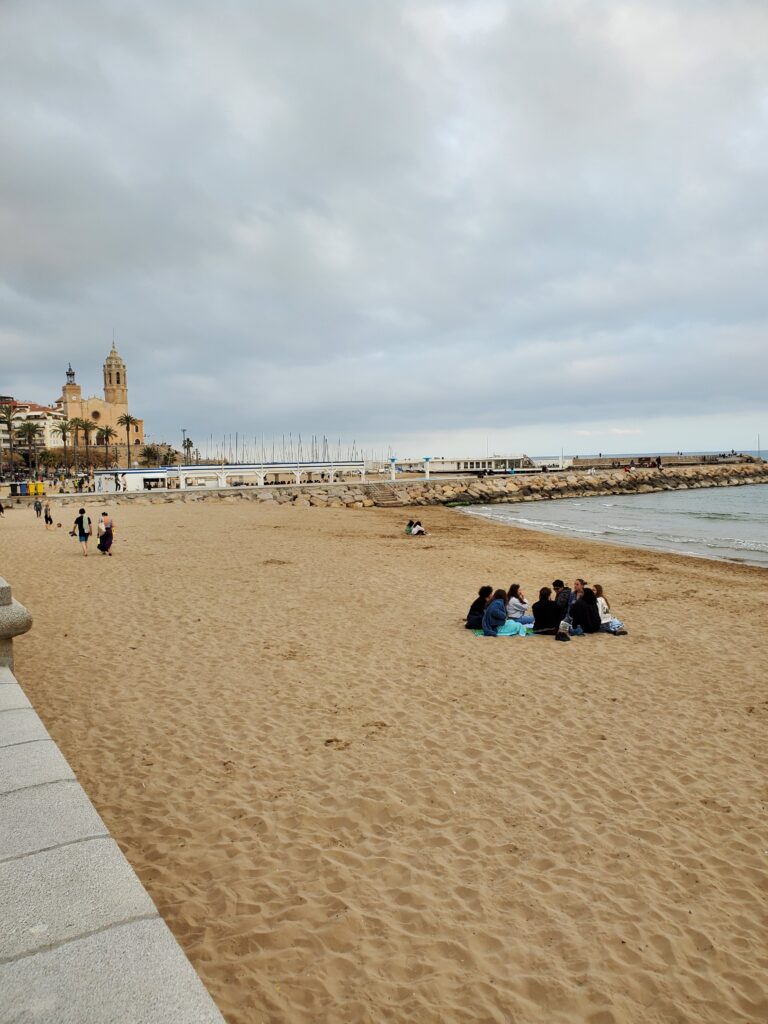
129	974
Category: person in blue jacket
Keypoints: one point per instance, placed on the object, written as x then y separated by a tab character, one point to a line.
495	621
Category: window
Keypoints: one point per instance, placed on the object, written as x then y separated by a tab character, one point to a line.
136	428
118	376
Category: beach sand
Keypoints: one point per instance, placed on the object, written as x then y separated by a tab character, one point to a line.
350	809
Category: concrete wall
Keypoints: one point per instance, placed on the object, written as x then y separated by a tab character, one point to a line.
454	490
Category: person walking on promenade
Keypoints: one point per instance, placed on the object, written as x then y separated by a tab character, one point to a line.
106	534
2	511
38	507
83	530
47	515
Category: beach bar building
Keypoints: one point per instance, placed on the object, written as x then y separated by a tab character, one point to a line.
182	478
468	466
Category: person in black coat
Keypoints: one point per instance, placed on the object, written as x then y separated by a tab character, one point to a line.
585	612
547	614
477	608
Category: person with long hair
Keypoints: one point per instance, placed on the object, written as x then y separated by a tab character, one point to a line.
585	616
495	620
547	614
477	608
517	606
106	534
608	623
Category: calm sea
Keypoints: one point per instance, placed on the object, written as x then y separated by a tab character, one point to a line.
727	523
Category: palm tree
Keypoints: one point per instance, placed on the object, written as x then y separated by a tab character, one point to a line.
150	454
76	425
29	432
87	426
128	421
6	414
103	436
63	429
188	445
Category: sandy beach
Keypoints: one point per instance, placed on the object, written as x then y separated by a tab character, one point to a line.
350	809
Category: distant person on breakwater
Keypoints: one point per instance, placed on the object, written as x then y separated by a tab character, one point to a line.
82	530
106	529
477	608
47	515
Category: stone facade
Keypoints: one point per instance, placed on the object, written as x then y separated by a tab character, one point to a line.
104	412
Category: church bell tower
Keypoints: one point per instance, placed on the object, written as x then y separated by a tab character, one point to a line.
115	379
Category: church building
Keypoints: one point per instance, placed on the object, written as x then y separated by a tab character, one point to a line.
104	412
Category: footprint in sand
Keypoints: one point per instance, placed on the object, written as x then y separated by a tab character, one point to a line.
337	744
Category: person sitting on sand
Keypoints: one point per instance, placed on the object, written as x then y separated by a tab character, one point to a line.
562	596
477	608
547	614
585	615
608	623
517	606
417	530
409	527
495	621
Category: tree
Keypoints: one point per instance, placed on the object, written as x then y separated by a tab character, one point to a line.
29	432
169	456
6	414
103	436
128	421
150	454
87	426
188	444
63	429
76	424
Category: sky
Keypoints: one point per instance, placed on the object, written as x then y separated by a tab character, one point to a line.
435	228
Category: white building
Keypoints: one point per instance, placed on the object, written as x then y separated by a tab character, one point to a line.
472	465
202	477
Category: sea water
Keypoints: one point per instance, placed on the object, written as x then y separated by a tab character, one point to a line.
726	523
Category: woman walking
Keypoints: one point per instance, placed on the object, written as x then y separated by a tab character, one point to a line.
106	534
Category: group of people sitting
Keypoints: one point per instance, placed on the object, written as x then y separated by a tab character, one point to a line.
561	611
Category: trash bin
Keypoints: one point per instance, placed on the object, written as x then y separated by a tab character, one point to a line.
14	490
23	489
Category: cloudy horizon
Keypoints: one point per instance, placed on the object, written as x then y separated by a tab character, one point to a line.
436	227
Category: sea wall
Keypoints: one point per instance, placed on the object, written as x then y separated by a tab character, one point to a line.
455	490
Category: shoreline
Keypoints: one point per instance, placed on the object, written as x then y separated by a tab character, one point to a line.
556	530
346	806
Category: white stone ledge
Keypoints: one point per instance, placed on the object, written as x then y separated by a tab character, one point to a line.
131	973
81	941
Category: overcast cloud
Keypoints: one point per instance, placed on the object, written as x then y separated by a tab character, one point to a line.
431	225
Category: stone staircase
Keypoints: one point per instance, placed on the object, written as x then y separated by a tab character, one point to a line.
385	495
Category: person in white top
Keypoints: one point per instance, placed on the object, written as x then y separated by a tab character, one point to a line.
517	606
608	622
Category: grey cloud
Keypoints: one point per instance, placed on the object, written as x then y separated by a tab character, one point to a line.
359	216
